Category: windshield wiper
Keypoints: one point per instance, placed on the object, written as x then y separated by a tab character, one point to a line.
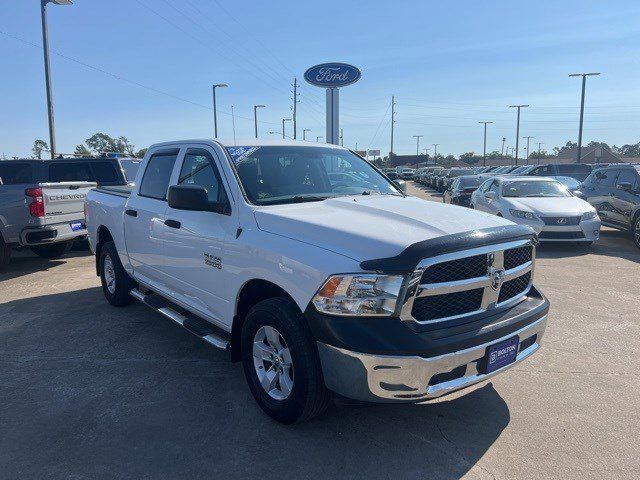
294	199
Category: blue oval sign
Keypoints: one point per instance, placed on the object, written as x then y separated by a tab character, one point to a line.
332	75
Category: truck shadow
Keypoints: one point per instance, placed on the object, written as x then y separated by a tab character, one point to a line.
89	389
24	262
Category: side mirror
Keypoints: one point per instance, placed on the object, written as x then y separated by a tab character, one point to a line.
624	186
194	197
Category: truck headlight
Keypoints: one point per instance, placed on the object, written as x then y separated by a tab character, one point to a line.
359	295
522	214
589	215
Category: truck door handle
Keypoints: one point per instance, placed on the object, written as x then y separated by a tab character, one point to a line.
172	223
131	213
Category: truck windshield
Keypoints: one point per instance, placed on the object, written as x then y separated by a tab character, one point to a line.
290	174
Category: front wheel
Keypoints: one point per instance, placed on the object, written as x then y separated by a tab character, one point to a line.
116	283
52	250
281	362
635	231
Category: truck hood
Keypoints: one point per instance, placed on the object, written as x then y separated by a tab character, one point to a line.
366	227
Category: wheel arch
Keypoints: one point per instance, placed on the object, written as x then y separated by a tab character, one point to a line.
251	292
103	236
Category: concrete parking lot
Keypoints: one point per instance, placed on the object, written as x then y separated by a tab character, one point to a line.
90	391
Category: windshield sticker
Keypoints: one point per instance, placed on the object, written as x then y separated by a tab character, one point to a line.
240	153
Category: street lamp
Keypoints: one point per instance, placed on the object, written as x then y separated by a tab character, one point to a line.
528	138
517	127
435	149
584	83
484	148
255	117
318	138
418	137
47	75
284	120
215	113
304	133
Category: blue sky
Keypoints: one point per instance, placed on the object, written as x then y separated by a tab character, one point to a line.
143	68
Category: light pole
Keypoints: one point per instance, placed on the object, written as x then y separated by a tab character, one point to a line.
517	127
215	113
318	138
255	117
284	120
504	139
484	148
539	154
418	137
47	74
528	138
435	149
584	84
304	133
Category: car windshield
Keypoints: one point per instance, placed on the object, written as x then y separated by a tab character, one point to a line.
524	188
273	175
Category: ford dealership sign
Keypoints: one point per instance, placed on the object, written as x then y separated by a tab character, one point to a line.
332	75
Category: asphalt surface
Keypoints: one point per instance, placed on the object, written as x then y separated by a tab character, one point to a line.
89	391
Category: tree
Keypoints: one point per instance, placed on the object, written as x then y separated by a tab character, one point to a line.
101	142
38	147
81	150
630	150
470	158
141	153
124	146
567	149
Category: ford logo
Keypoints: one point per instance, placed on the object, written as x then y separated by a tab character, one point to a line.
332	75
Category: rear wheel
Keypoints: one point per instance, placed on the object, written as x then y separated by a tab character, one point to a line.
5	253
635	231
281	362
116	283
52	250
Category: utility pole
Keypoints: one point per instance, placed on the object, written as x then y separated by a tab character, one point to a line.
528	138
418	137
517	127
215	113
393	121
295	110
341	137
233	122
584	84
255	117
304	133
504	139
284	120
539	154
435	149
47	71
484	149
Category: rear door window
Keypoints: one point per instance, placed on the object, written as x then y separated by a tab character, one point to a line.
628	175
15	173
155	181
70	172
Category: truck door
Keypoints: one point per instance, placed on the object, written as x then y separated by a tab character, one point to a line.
144	218
198	243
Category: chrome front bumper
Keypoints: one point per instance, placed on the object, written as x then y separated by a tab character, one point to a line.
385	378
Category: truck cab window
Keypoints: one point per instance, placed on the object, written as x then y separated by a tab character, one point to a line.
104	173
155	181
70	172
15	173
199	168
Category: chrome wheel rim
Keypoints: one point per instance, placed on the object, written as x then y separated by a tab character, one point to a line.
272	363
109	274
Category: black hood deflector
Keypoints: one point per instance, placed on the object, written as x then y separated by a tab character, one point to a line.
407	260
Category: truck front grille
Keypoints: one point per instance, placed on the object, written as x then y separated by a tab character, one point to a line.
471	281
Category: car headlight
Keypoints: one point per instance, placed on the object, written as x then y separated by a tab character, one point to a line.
359	295
589	215
522	214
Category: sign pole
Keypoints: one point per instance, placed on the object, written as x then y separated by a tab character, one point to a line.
333	116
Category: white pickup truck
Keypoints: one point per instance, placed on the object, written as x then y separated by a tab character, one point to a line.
318	286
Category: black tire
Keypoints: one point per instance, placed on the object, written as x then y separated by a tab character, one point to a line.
5	254
635	231
309	396
52	250
118	292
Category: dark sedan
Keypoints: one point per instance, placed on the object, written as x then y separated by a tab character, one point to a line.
461	189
